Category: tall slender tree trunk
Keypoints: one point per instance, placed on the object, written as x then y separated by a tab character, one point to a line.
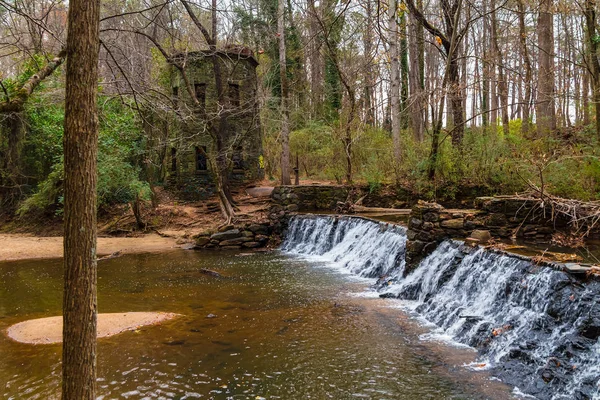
369	76
528	71
414	79
394	78
590	16
404	115
316	62
285	122
502	84
485	73
80	156
545	110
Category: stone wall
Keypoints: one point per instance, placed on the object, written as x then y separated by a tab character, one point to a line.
496	217
287	200
245	236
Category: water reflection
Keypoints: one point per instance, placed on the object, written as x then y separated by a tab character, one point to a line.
270	327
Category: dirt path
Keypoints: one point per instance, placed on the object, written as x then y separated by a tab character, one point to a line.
22	247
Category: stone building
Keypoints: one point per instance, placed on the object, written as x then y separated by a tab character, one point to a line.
193	149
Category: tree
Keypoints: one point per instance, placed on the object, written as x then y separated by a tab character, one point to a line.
394	77
80	156
285	118
546	114
594	68
450	40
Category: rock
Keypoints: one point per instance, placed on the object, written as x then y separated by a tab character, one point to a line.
292	208
262	239
251	245
211	316
209	272
428	225
230	234
235	242
414	223
496	220
456	223
482	236
231	247
258	228
247	234
471	241
431	217
414	246
226	228
202	241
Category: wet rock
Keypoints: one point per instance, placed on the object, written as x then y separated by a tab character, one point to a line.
209	272
202	241
590	327
230	234
481	235
251	245
414	223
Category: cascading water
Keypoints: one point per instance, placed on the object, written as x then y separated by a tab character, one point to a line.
536	328
362	247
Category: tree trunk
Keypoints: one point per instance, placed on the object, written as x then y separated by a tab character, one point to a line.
502	84
528	71
285	123
590	17
317	65
369	79
394	78
80	157
546	114
416	90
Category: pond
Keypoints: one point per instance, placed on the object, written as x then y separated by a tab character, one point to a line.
273	326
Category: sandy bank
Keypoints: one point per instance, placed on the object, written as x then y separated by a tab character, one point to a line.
22	247
49	330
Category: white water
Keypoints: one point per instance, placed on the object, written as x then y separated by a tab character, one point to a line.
523	319
359	246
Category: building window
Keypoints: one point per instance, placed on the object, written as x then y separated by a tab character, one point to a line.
200	91
234	94
173	159
237	159
201	164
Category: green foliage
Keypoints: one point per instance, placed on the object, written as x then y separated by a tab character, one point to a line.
489	161
120	151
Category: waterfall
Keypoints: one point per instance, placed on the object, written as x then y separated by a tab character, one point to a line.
534	327
360	246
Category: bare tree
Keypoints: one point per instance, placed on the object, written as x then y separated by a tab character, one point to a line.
285	118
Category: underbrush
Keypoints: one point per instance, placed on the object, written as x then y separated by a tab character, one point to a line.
565	164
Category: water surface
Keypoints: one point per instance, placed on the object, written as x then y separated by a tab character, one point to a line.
274	327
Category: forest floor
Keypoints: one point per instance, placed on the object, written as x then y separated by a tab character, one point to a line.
172	224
